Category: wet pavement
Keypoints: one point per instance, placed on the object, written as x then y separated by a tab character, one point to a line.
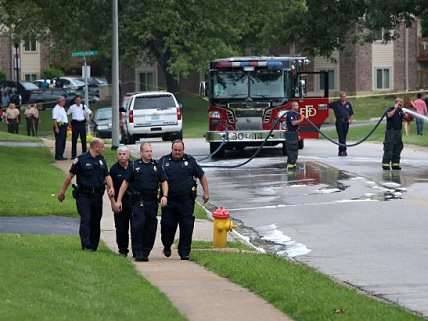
343	216
39	225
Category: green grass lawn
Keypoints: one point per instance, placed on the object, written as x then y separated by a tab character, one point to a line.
370	107
195	116
299	291
29	183
357	133
4	136
50	278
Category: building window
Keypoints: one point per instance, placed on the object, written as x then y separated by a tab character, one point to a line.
331	80
30	45
30	77
146	81
383	78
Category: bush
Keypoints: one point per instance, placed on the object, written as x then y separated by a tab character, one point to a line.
2	76
51	73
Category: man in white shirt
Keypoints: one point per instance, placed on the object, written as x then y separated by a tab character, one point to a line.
79	113
60	123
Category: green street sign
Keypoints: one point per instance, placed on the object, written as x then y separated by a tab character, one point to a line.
84	53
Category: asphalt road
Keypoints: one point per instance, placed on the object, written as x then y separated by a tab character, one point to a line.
343	216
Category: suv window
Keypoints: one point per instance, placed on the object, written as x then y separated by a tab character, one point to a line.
153	102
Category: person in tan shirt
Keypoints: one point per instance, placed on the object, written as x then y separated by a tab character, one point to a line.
32	117
12	119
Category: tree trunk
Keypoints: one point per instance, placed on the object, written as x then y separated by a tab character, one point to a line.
171	82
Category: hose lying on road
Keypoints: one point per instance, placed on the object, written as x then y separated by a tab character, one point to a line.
353	144
269	135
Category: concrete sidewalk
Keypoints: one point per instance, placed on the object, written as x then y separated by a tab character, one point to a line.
197	293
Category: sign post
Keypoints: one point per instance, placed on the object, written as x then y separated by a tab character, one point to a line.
85	73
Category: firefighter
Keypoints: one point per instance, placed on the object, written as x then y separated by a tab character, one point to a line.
144	177
393	143
292	121
343	113
92	175
181	171
118	173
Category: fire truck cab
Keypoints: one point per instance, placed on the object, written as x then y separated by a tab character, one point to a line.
246	95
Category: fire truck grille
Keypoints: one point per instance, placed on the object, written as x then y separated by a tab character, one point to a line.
230	117
267	116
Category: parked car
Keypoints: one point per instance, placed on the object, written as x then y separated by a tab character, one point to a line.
102	122
47	98
69	82
19	92
151	114
44	83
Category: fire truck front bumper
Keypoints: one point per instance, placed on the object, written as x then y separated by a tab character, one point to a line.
250	136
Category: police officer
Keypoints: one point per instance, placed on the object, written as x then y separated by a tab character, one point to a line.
60	123
343	113
393	143
79	113
118	173
92	175
143	179
181	171
292	121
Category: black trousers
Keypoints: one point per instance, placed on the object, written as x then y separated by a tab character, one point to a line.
90	208
179	211
122	222
392	146
144	224
13	126
292	143
32	126
78	129
60	139
342	128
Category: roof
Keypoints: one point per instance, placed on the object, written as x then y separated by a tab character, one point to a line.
148	93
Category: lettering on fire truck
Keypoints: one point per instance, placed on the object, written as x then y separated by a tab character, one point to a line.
308	111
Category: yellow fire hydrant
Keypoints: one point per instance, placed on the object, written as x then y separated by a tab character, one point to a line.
222	225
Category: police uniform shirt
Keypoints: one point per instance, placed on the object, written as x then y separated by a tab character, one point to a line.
145	177
59	114
181	173
342	112
79	112
289	118
396	121
91	172
118	173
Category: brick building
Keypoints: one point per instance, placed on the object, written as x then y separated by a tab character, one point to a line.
33	58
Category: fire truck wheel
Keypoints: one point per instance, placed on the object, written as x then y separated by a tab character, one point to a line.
284	149
301	144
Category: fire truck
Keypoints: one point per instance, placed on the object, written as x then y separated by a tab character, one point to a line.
246	96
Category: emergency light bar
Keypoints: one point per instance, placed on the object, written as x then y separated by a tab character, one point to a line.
269	64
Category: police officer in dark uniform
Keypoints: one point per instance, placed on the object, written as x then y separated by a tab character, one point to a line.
343	113
92	176
118	172
292	121
393	143
144	177
181	171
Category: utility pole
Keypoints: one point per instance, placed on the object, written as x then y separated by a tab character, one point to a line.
115	78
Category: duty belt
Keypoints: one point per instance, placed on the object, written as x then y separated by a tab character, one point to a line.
91	189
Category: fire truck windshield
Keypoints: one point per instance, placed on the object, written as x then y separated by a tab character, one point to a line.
255	84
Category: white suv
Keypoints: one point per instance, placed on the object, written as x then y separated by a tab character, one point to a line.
151	114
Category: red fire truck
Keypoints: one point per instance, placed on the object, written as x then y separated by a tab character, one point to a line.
247	94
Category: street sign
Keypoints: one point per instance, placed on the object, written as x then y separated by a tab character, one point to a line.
84	53
88	72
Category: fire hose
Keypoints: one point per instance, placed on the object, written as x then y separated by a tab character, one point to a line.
225	140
